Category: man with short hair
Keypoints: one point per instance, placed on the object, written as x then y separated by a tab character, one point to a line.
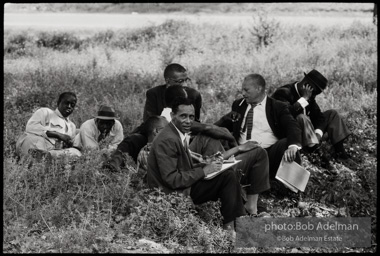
170	167
300	96
103	127
174	74
257	117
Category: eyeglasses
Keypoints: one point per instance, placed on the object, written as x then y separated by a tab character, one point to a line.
180	81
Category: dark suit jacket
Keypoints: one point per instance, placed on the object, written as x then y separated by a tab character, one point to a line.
155	101
288	94
169	166
279	118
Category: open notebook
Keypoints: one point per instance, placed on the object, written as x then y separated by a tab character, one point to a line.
293	176
225	166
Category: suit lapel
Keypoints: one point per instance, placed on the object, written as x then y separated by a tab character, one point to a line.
184	152
269	111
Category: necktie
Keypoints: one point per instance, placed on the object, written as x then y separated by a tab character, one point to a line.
187	150
249	122
185	144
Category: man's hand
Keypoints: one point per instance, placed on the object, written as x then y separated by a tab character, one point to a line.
212	167
290	154
232	116
249	145
306	91
66	139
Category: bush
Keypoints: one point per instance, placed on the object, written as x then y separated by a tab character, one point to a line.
61	41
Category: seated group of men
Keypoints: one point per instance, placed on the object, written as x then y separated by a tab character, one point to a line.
260	131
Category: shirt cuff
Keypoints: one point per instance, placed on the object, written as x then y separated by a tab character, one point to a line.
303	102
319	132
294	145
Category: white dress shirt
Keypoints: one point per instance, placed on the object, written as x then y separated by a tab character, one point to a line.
261	131
166	113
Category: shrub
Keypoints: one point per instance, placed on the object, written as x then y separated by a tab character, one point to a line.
62	41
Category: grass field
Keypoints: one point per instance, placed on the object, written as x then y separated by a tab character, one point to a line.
81	208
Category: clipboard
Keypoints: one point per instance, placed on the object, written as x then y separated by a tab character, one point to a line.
293	176
225	166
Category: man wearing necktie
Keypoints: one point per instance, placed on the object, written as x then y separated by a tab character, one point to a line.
257	117
170	167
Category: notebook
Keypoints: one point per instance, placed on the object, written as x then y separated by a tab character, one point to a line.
293	176
225	166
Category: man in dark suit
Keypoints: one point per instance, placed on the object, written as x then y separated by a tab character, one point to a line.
174	74
300	96
170	167
257	117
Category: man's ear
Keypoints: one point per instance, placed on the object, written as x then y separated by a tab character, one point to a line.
172	115
154	132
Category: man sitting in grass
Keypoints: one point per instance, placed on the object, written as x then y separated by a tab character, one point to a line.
102	129
170	168
50	133
301	97
157	100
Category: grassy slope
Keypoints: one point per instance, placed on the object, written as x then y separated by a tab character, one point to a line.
82	209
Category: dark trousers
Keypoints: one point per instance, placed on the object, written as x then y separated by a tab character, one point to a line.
275	154
335	127
224	186
131	145
254	163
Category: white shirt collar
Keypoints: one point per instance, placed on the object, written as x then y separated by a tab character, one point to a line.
182	136
262	103
60	115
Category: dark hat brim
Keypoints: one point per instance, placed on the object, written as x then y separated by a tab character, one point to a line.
322	90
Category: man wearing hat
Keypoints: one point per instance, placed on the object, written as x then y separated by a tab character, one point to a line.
315	123
102	129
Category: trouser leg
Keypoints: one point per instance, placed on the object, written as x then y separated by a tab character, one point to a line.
205	145
255	167
335	126
224	186
275	154
309	138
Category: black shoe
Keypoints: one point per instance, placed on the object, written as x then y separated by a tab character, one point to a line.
344	159
261	207
310	150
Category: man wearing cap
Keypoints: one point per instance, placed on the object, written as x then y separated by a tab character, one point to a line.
103	128
314	123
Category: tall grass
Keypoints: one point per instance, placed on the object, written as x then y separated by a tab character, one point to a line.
79	208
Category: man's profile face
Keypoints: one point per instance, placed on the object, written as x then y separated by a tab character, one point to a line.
160	126
177	78
252	93
184	118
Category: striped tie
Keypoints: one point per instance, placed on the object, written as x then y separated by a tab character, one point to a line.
249	122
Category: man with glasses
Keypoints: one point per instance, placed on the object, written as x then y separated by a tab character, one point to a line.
174	74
